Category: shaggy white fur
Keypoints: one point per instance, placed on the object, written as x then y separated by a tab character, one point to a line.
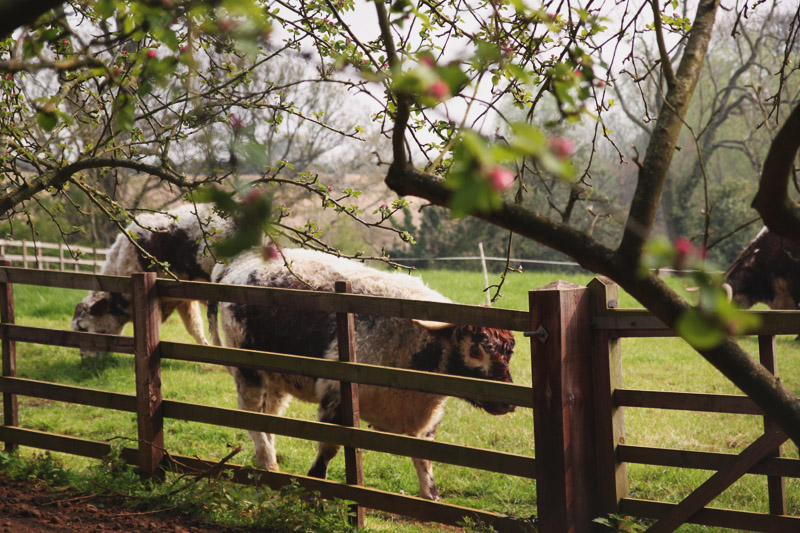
179	237
403	343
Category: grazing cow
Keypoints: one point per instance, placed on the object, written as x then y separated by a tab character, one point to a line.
767	271
477	352
178	237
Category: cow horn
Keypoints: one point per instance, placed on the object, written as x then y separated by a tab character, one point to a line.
433	325
692	289
728	291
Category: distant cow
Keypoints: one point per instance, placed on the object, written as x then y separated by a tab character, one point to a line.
477	352
767	271
178	237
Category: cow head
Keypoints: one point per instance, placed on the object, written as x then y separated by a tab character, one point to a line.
478	352
101	312
765	272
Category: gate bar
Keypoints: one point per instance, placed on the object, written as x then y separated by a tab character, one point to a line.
776	486
713	486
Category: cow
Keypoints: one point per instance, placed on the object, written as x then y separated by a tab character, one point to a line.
766	271
179	237
471	351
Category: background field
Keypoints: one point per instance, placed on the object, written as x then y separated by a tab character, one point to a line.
656	364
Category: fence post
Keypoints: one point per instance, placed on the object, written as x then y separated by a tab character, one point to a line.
61	257
566	488
776	486
150	417
24	254
346	337
9	347
612	475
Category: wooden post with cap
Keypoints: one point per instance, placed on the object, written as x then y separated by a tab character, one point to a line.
150	416
9	347
563	408
346	336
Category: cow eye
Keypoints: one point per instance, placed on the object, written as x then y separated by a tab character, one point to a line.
475	351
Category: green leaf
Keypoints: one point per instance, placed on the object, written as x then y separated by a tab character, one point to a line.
46	121
698	331
124	112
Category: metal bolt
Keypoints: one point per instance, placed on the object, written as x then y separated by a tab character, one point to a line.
539	332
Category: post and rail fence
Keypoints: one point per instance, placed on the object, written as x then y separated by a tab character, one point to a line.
577	397
53	256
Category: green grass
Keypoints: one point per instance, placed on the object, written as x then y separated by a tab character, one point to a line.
656	364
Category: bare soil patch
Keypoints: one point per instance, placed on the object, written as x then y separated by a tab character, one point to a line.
28	507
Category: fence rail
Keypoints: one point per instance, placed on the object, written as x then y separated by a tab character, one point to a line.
52	256
505	463
577	398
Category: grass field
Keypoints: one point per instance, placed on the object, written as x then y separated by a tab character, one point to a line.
656	364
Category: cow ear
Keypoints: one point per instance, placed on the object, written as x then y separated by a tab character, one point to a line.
80	308
99	307
432	325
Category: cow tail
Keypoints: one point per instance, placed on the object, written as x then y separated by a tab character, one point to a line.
213	323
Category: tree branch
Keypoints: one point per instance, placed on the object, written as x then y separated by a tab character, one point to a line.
58	177
780	213
658	157
666	64
16	13
403	112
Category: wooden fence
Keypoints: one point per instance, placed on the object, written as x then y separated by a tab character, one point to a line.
577	398
52	256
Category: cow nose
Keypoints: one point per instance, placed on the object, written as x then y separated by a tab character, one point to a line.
495	408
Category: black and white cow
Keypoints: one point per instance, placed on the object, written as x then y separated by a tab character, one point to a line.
471	351
766	271
178	237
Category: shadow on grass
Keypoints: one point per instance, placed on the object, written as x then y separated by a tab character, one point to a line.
72	370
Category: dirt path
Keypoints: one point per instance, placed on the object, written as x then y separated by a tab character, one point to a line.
25	507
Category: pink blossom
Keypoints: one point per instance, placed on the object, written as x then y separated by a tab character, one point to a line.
236	123
683	249
561	146
271	252
252	197
500	178
427	60
439	90
151	54
683	246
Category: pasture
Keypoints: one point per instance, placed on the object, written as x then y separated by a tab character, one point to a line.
654	364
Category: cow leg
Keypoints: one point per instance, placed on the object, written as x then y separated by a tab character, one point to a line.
192	318
424	467
330	411
254	394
